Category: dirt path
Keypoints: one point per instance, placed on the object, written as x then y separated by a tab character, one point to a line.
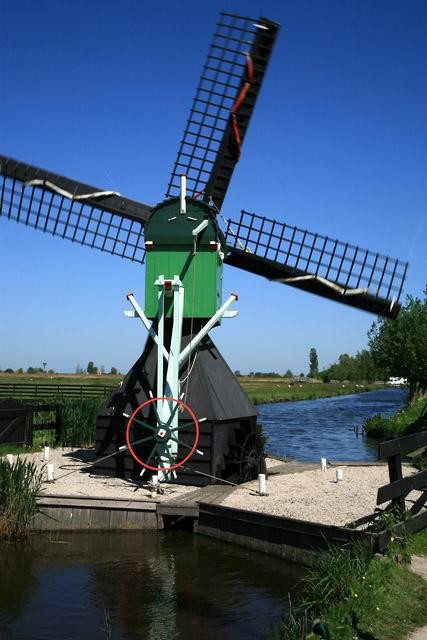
419	566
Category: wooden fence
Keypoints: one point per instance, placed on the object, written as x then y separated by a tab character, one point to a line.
17	423
399	487
35	391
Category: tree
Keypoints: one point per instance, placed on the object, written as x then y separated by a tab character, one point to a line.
51	371
358	368
314	363
113	371
400	345
90	367
102	369
79	369
289	374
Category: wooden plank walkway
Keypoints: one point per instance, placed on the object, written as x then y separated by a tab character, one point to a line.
188	504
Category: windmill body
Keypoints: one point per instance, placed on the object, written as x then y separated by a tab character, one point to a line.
180	413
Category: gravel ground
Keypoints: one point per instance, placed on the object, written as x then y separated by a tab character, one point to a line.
308	495
73	478
315	496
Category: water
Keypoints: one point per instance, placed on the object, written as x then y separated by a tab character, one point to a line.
309	429
155	585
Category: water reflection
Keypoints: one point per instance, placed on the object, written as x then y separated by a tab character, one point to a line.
155	585
309	429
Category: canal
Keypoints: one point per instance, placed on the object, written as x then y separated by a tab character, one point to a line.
310	429
144	585
163	585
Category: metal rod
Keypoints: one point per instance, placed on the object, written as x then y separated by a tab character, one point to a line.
139	312
183	204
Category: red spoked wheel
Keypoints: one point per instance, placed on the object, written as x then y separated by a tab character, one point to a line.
159	434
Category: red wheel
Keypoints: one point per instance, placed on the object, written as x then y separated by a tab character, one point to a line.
160	434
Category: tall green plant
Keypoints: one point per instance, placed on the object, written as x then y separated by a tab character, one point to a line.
336	570
78	419
20	483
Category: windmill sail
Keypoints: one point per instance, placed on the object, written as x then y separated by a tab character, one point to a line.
315	263
223	105
100	219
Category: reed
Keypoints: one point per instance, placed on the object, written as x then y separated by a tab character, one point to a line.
334	573
19	484
78	419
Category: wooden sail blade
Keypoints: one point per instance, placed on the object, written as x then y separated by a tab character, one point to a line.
72	210
332	269
222	107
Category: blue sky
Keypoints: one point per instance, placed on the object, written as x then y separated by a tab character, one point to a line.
100	91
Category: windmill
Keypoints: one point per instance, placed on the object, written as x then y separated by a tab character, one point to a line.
180	412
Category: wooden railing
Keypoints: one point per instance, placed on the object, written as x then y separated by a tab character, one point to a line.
399	487
34	391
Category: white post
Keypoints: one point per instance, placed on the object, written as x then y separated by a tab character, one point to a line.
323	464
261	484
154	484
339	475
46	452
183	204
9	458
50	472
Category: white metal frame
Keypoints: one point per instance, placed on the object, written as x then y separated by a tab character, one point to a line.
175	358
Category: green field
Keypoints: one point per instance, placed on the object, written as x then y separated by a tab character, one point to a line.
260	390
263	391
59	378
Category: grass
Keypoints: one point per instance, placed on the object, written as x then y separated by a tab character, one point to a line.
60	378
356	595
387	604
19	485
331	579
264	391
259	390
410	419
418	543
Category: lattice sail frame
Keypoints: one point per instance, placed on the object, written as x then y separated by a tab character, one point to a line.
105	221
223	104
317	263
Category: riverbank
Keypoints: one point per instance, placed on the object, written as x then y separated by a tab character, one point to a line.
357	595
410	419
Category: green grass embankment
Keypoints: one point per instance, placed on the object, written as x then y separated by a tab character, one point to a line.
411	419
262	391
356	595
